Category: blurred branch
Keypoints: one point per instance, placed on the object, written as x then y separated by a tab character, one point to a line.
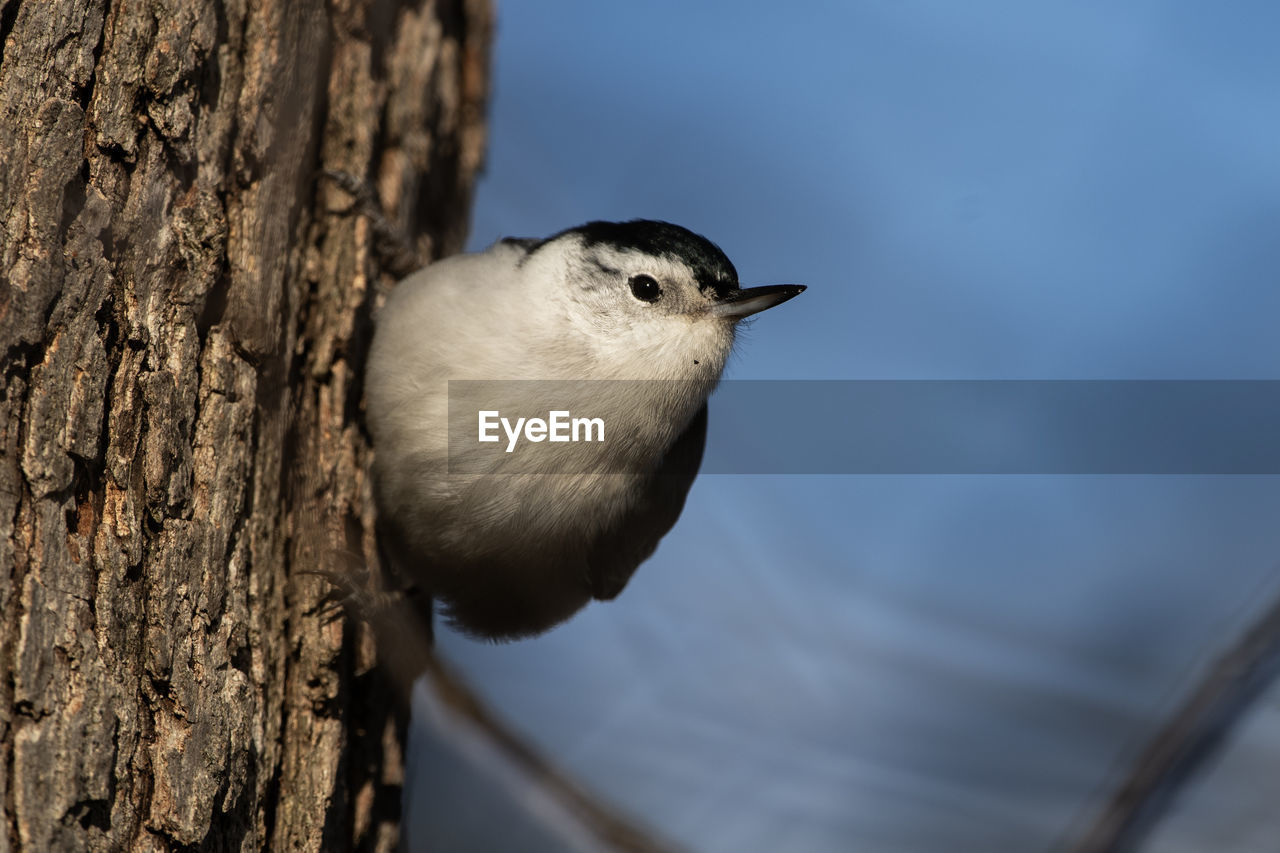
1190	738
565	809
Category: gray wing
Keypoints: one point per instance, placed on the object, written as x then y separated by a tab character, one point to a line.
617	552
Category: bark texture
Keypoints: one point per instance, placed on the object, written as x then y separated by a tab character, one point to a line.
183	315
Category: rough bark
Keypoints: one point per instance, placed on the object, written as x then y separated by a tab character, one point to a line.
183	317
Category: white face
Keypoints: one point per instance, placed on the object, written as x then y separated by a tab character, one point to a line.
646	315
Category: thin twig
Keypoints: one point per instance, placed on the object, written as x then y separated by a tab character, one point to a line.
1191	737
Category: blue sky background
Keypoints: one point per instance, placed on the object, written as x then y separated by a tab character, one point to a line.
983	190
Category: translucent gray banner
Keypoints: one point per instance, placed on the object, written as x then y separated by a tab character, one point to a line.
876	426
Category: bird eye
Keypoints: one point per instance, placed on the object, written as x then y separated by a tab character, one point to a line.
645	288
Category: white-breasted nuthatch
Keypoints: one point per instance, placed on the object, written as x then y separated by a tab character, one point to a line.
509	551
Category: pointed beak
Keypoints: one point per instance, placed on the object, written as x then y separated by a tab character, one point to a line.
743	303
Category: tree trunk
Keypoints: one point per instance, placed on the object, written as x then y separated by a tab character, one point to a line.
183	318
